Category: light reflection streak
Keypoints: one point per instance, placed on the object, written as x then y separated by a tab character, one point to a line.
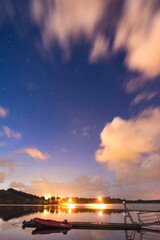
100	213
45	212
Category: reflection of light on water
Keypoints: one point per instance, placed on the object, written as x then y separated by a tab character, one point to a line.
70	211
100	206
71	206
100	213
59	210
45	212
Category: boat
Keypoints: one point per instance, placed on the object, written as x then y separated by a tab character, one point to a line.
47	223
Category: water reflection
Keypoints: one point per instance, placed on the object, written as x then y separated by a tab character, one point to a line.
43	231
12	215
10	212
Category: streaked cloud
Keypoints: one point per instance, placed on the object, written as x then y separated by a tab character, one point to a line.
145	96
34	153
130	146
134	84
10	133
66	20
99	49
138	33
83	186
3	112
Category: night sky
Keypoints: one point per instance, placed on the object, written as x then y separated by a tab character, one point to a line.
79	97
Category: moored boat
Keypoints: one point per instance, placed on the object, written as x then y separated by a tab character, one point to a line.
52	223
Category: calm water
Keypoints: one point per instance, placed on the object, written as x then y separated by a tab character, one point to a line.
11	218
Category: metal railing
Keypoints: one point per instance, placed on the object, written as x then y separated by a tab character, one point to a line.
148	218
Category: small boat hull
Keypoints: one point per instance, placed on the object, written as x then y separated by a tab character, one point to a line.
43	223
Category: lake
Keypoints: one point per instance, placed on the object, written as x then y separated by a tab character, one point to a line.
11	218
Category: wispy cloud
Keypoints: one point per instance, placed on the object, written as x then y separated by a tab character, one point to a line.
133	84
34	153
129	147
85	131
9	164
16	184
99	49
145	96
3	112
10	133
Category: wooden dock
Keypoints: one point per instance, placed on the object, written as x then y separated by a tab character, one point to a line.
93	225
105	226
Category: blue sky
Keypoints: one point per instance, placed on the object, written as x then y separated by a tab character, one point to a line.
79	97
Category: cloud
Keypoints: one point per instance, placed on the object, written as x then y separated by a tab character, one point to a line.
132	26
145	96
34	153
138	33
2	177
134	84
5	163
85	131
3	112
11	133
16	185
66	20
99	49
83	186
129	147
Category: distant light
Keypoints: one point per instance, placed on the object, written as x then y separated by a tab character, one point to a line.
47	196
124	202
100	199
70	200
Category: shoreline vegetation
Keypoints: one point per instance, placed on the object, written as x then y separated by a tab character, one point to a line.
12	196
